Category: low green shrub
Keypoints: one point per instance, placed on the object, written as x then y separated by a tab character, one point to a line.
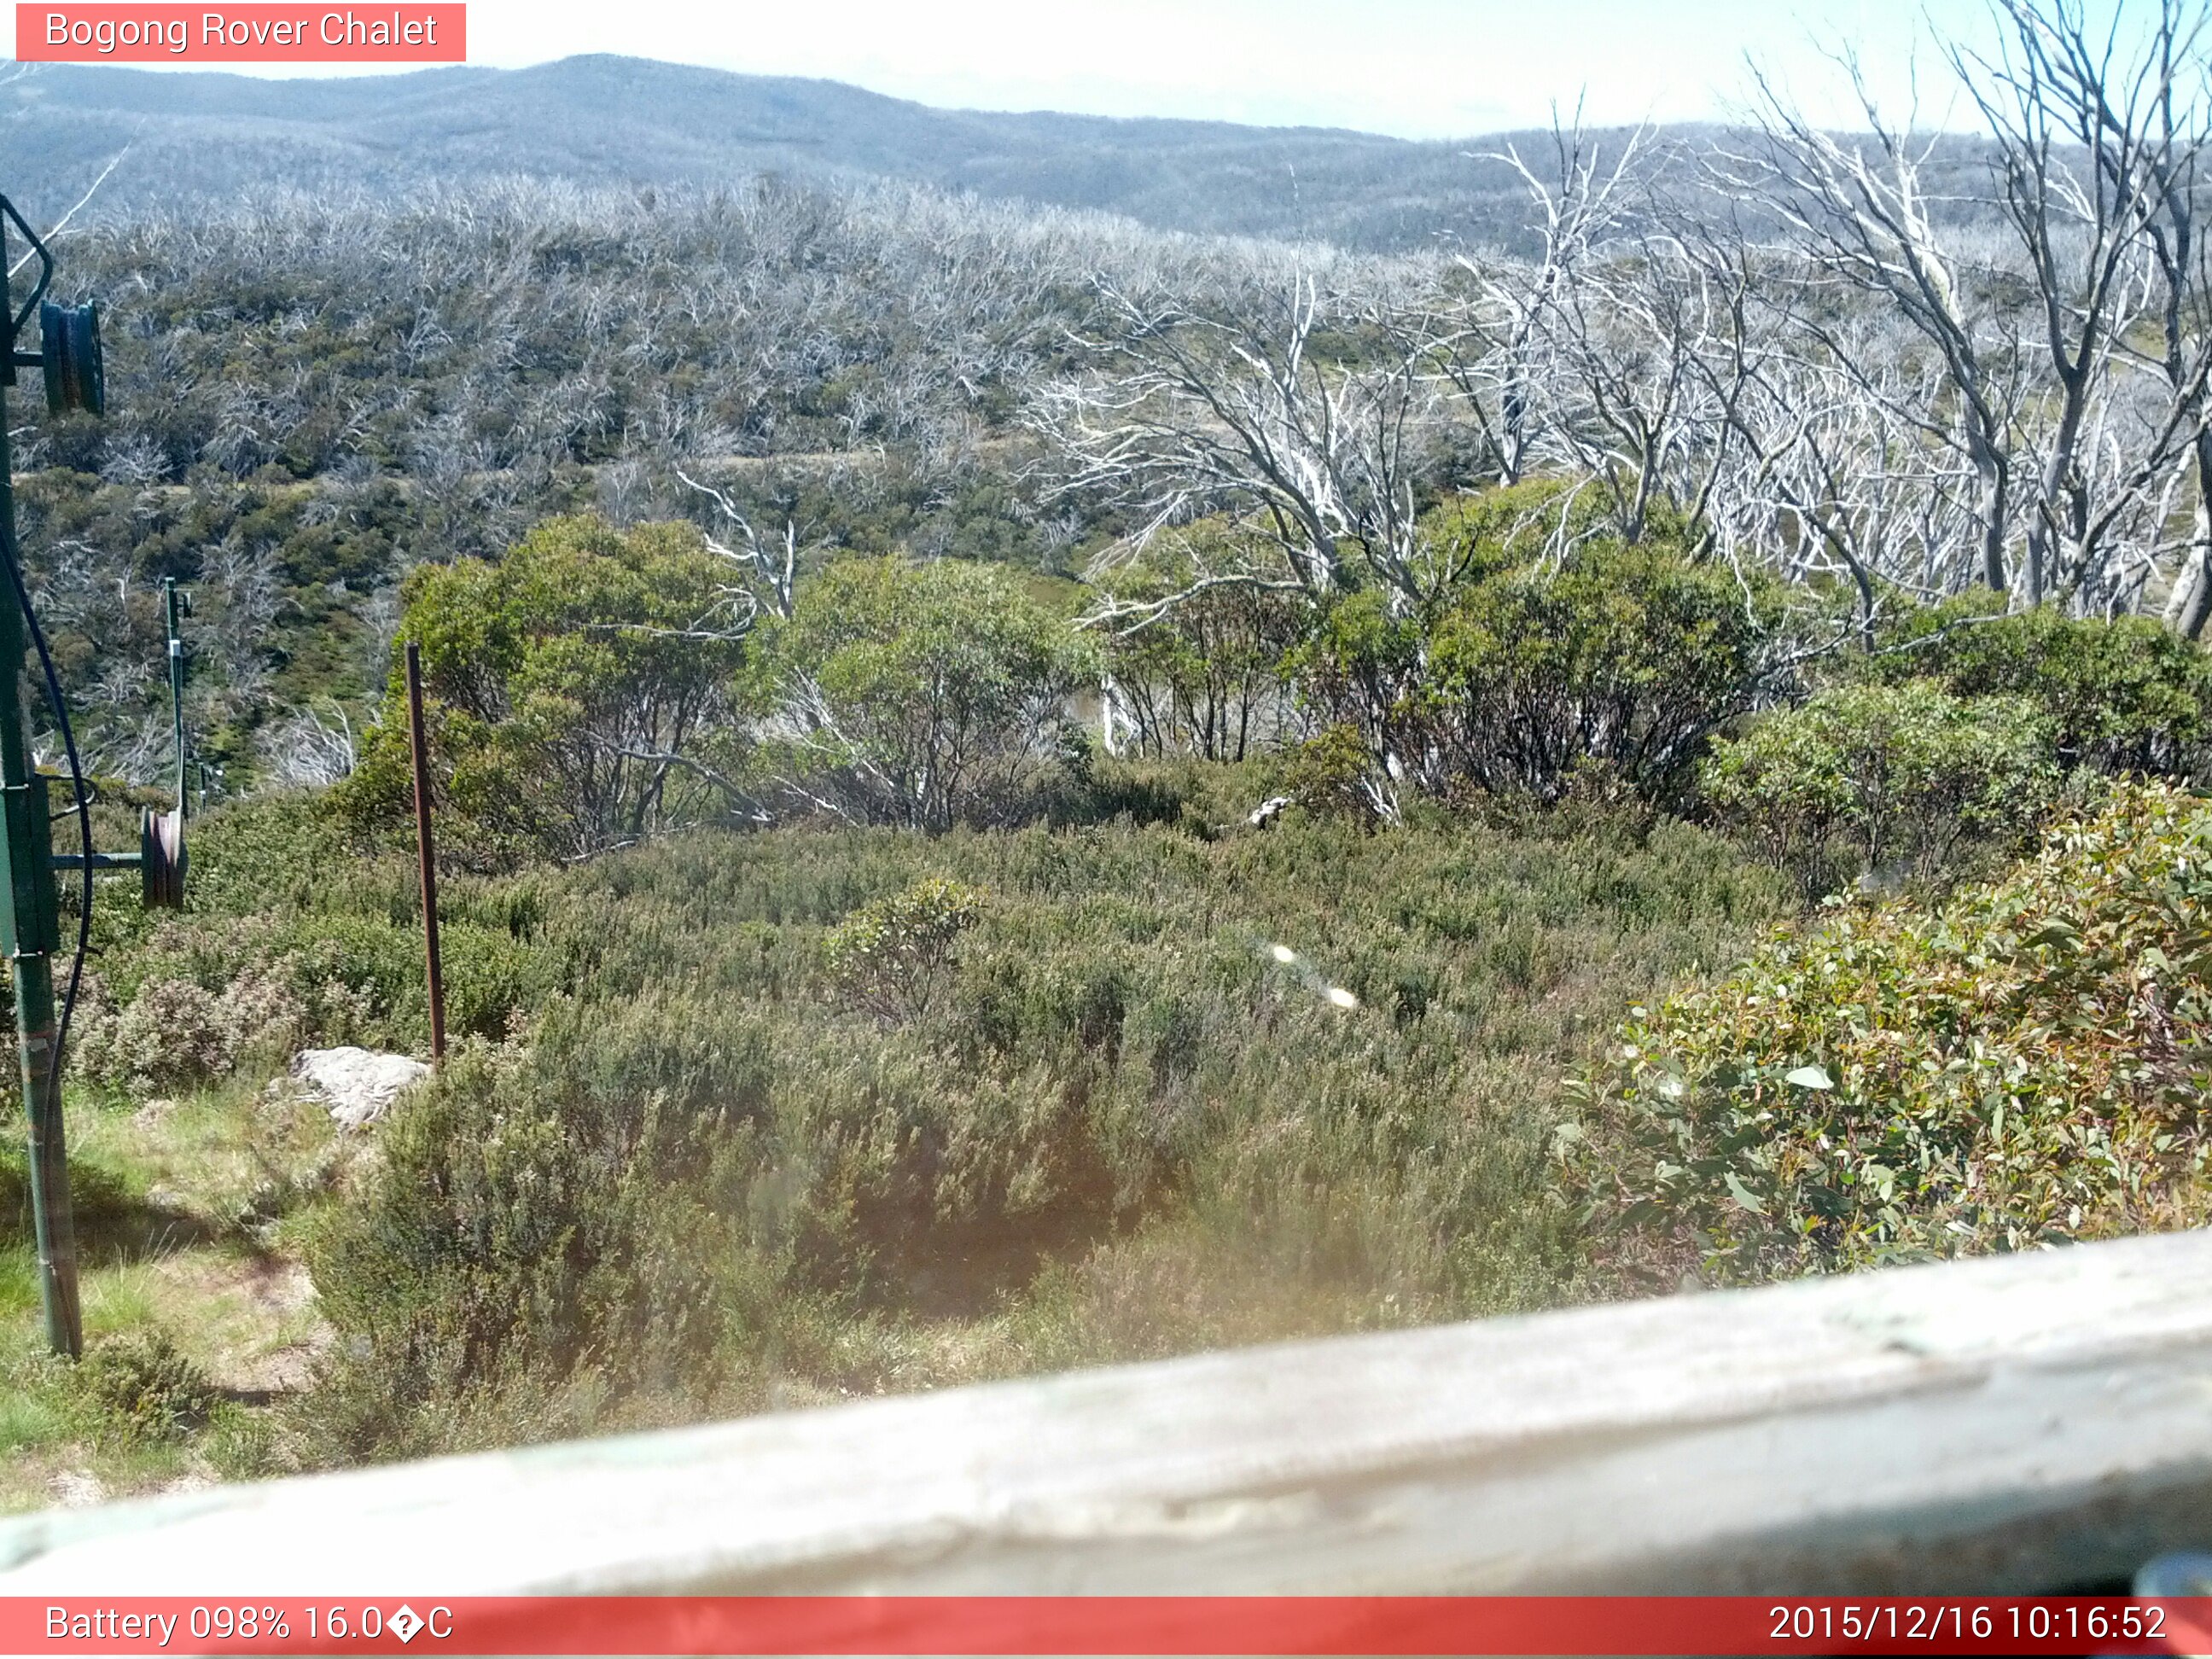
569	689
175	1035
1878	779
287	850
1526	671
2125	695
891	956
537	1215
2024	1066
1203	676
1331	773
1629	656
918	695
297	936
139	1385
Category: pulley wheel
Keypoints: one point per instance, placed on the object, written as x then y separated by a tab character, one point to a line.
162	859
76	378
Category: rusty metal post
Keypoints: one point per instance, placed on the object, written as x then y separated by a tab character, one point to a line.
422	743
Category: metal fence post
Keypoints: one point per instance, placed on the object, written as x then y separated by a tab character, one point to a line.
420	742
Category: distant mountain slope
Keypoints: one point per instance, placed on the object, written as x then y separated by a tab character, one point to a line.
631	121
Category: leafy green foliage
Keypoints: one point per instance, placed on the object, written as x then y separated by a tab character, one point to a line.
1627	656
1871	778
1332	774
1361	672
920	695
889	955
2125	695
1198	668
566	687
1529	671
140	1387
2025	1066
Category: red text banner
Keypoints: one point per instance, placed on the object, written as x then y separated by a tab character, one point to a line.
128	33
1178	1626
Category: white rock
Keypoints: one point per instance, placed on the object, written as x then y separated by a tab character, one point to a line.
75	1488
358	1085
150	1115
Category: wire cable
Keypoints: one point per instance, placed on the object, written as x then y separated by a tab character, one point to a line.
83	810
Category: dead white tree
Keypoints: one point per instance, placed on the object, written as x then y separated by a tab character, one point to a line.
1490	336
1652	343
768	570
2177	142
1855	209
306	748
1838	473
2097	132
1285	407
2074	347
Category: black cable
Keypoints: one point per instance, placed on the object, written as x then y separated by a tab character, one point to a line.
83	816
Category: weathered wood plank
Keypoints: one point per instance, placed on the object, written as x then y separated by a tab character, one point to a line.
2015	1424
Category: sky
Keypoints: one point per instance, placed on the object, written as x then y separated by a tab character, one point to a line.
1416	69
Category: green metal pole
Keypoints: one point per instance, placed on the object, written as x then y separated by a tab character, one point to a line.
30	933
176	684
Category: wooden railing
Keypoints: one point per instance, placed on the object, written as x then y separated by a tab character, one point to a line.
2021	1425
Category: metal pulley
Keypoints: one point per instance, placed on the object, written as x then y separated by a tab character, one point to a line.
76	377
162	859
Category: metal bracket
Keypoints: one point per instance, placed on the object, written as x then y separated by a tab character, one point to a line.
12	358
100	860
31	925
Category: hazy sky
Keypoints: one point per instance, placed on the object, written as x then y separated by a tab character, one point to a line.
1416	68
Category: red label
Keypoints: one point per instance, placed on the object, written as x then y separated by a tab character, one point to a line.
242	35
1014	1628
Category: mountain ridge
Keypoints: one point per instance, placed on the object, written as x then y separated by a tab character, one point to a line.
607	120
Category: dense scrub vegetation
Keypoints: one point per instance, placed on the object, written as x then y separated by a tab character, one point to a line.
314	397
1015	792
1884	782
1089	1067
2025	1064
309	399
743	1117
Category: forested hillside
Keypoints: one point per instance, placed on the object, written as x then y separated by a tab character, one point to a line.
309	400
632	123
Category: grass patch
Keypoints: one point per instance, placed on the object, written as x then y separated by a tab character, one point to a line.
188	1276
